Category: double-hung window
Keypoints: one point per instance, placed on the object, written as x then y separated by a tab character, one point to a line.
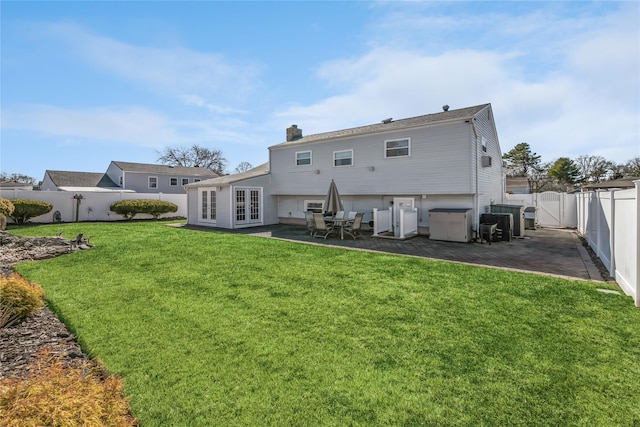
173	181
303	158
153	182
397	148
343	158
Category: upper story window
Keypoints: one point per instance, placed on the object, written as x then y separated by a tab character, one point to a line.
343	158
484	144
173	181
303	158
121	180
185	181
397	148
196	179
153	182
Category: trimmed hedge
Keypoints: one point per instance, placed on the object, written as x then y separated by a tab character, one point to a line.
6	208
155	208
25	209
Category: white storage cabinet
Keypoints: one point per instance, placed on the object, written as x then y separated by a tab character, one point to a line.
451	225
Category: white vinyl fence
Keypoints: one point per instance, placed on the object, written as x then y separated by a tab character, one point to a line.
93	206
556	210
608	220
407	222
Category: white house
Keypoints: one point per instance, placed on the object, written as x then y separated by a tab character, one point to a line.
128	177
450	159
151	178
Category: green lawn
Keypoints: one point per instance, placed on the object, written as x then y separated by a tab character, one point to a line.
211	328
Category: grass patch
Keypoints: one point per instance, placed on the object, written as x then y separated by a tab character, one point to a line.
209	328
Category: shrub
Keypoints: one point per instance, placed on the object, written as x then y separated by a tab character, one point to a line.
19	298
155	208
6	208
25	209
57	395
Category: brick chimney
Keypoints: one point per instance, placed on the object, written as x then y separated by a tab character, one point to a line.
293	133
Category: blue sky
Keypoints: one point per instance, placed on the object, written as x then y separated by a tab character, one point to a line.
84	83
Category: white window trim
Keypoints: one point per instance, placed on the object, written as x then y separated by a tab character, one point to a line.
183	181
343	166
171	181
386	149
149	181
307	202
483	143
310	157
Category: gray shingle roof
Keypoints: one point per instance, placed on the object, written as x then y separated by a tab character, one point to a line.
80	179
224	181
164	169
614	183
428	119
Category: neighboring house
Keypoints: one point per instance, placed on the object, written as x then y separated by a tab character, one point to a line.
518	185
150	178
450	159
77	181
13	185
613	184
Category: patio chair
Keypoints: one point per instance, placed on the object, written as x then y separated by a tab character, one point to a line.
351	216
311	225
353	229
320	226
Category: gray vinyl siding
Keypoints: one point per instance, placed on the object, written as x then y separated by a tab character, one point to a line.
490	182
193	206
439	164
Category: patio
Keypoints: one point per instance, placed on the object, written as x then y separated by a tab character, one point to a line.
549	251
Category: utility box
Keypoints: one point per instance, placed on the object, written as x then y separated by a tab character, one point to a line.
517	211
450	224
504	222
530	218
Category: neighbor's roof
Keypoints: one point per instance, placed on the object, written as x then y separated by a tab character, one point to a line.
163	169
224	181
614	183
95	189
14	184
80	179
429	119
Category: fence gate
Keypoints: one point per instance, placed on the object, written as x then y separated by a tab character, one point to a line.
550	209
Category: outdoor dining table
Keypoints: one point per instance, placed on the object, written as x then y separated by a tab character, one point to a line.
339	223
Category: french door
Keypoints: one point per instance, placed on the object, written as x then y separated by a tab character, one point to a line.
248	206
208	201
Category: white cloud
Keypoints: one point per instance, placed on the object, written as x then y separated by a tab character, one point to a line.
131	125
175	70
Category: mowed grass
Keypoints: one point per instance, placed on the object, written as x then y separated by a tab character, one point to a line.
210	328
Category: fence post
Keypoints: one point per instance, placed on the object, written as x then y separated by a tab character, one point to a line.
637	183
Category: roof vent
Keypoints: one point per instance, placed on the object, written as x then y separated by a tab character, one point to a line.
445	107
389	120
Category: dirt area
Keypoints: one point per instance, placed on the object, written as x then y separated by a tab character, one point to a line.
20	343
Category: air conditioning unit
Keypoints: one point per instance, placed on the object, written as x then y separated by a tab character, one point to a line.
486	161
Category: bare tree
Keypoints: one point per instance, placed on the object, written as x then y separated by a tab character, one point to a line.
194	156
243	167
594	169
17	177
